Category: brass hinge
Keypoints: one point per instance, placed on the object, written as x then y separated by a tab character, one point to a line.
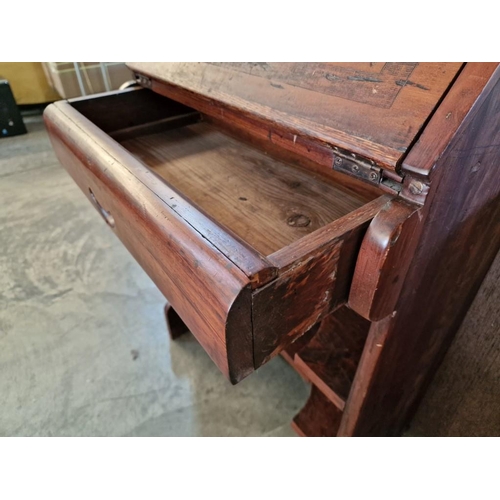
352	165
366	170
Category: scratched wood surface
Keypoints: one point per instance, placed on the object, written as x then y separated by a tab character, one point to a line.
314	275
267	203
373	109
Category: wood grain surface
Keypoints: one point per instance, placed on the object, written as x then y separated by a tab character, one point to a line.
265	202
208	291
319	417
375	110
203	268
354	410
248	260
331	358
296	151
444	124
383	260
258	255
464	397
314	275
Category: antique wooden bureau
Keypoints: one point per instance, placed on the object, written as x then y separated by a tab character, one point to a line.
343	215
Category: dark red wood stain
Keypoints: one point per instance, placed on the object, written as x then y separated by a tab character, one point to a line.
219	180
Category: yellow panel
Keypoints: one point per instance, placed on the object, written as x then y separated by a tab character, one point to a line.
28	82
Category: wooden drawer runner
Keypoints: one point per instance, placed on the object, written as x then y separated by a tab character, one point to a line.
250	251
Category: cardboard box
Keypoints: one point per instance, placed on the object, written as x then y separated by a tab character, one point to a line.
28	82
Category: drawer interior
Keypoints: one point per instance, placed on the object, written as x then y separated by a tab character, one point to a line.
266	202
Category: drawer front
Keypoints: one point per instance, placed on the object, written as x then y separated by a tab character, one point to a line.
243	308
206	288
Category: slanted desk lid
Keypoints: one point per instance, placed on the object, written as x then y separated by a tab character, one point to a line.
375	110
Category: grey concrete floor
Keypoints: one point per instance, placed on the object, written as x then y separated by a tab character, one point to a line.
83	344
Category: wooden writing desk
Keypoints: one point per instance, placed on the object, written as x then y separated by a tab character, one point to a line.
343	215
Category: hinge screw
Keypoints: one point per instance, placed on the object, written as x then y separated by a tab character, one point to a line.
373	176
416	187
338	161
355	168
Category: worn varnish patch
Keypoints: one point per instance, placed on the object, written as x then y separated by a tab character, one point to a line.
292	304
377	85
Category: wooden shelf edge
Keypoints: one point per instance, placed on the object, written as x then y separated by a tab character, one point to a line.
308	373
318	418
329	356
297	429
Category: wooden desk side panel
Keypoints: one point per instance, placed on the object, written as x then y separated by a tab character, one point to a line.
460	238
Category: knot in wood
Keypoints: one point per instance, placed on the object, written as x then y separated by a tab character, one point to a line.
298	220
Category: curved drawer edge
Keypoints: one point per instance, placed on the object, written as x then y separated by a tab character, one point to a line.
209	292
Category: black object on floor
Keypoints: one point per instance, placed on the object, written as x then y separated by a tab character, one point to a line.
11	122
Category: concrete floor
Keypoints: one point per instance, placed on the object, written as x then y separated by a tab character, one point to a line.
83	344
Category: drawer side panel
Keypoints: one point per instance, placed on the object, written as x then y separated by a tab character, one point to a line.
315	279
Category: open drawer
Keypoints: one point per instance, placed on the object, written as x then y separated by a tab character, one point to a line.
250	250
